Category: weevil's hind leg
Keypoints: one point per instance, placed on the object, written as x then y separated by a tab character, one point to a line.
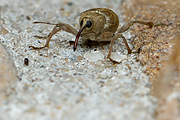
125	42
126	26
57	28
129	24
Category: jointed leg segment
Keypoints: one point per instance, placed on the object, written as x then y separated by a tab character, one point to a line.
130	23
125	28
118	35
57	28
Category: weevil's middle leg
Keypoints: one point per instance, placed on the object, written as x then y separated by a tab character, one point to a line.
57	28
118	35
109	36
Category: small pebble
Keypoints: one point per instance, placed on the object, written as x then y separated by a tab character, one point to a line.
26	61
94	56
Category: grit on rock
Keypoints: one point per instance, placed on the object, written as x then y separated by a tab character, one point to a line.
61	84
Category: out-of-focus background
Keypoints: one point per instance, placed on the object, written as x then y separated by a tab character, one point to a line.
58	83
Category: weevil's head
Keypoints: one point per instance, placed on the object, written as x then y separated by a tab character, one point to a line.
89	23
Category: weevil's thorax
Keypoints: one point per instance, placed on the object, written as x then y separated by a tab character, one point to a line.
102	19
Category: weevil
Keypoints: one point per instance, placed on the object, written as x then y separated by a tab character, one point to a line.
97	24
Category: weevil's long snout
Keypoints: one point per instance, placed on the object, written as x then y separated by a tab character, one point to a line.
86	23
77	37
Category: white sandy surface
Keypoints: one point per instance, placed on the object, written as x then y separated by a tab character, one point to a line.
60	84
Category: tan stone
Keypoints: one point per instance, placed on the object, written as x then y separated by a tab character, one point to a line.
7	70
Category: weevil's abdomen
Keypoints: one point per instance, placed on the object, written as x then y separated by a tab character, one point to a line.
111	19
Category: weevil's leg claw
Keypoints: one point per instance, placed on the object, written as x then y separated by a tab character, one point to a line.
36	48
41	37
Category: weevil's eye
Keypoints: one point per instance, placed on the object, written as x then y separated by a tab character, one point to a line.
81	22
88	24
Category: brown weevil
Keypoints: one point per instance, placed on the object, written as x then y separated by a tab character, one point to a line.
98	24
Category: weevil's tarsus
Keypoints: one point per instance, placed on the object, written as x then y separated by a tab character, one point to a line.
162	24
44	23
116	62
41	37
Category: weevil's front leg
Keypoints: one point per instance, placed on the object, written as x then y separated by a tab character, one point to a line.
107	36
57	28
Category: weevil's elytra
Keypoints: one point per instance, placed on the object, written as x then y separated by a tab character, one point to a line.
98	24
